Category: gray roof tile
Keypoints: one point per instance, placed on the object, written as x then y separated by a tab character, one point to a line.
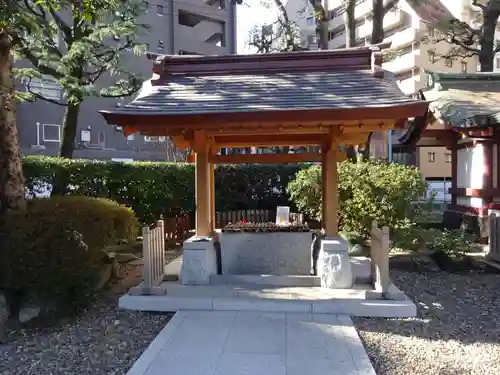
266	92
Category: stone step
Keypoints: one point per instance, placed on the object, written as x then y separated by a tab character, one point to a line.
271	280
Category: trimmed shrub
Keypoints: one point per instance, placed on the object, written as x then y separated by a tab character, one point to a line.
160	189
367	191
53	252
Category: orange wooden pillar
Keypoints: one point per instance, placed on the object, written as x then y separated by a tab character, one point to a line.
202	186
330	188
211	178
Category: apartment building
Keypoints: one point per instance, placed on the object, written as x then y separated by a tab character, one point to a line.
405	26
206	27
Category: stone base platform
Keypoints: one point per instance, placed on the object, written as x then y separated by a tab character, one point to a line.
270	299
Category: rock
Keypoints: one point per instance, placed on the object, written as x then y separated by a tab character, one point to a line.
334	266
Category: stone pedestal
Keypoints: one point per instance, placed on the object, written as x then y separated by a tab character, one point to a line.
199	261
270	253
334	266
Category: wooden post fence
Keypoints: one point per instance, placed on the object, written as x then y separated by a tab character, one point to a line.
153	252
380	247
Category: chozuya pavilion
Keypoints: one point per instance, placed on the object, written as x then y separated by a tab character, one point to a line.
321	98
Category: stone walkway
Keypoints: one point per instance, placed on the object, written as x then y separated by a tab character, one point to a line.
255	343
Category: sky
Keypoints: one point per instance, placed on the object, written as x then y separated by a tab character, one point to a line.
248	15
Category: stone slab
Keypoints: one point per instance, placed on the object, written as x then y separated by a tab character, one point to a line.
269	299
251	343
278	253
334	265
199	261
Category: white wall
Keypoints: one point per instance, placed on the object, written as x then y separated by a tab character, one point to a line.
470	167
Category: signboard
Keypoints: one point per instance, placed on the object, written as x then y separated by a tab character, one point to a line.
282	215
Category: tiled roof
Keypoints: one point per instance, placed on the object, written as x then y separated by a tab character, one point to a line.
465	100
266	92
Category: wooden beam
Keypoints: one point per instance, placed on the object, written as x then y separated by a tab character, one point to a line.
269	140
331	191
202	185
265	158
211	181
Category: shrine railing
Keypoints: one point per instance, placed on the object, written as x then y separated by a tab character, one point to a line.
380	247
153	252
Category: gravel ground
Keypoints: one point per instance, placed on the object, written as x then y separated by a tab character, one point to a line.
102	341
457	331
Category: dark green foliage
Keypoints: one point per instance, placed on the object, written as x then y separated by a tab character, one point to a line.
52	252
155	189
367	191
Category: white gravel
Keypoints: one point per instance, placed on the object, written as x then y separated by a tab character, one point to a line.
457	331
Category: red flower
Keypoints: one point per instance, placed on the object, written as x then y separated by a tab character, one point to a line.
243	221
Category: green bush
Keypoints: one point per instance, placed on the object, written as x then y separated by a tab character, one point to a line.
455	241
53	252
367	191
160	189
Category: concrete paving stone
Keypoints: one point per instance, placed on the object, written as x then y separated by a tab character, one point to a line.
255	343
251	364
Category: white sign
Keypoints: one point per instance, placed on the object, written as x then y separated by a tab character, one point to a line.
85	135
282	215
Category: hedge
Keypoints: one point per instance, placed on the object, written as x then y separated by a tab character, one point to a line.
53	251
367	191
153	189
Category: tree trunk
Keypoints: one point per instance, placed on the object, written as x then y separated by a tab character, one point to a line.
487	54
378	22
321	24
12	195
286	25
350	23
70	123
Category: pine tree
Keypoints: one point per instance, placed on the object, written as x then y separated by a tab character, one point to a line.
79	44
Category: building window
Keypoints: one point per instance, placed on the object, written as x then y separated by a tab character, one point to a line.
85	135
497	62
447	157
430	31
448	62
312	40
464	66
102	137
159	10
432	157
160	47
311	21
431	56
51	133
154	138
48	88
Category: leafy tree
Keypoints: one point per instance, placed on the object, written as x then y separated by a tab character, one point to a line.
467	39
79	44
367	191
279	36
